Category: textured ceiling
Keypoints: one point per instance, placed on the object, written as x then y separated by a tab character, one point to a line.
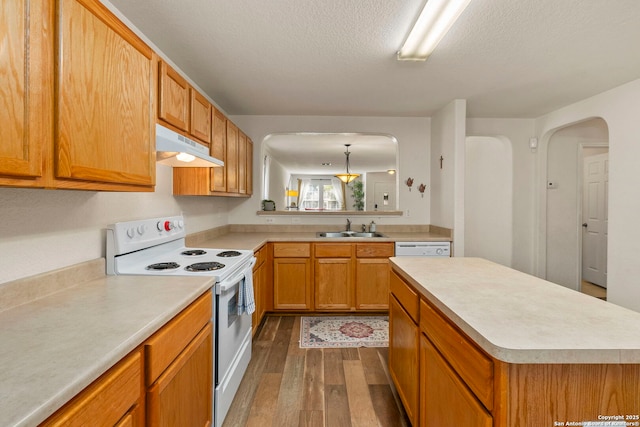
508	58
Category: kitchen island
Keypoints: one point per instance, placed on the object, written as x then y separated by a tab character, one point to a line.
503	348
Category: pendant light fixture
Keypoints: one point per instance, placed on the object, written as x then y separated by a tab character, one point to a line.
347	177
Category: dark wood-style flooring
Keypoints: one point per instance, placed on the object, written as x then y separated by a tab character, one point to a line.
286	386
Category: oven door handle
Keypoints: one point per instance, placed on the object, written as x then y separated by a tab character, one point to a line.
231	282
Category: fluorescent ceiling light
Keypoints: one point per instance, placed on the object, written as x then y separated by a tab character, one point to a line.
434	21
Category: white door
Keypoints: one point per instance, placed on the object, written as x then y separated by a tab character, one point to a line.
595	219
384	196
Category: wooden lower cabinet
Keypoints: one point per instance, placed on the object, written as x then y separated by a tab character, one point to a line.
182	395
333	276
179	368
114	399
333	284
292	276
404	357
292	284
262	287
345	276
372	284
444	399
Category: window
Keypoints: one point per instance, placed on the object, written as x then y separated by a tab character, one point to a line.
321	194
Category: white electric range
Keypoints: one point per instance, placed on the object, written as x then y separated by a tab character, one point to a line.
156	246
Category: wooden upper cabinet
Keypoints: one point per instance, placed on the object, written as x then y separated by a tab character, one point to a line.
200	117
23	122
219	151
249	172
105	98
231	159
174	97
242	163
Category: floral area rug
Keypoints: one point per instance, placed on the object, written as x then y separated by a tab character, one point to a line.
344	331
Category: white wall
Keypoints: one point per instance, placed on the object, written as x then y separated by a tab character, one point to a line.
278	181
620	109
564	168
412	134
488	199
448	131
518	132
42	230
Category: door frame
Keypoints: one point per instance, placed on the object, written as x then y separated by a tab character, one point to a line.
539	266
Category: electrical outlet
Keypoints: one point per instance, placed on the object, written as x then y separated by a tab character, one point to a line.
269	220
408	212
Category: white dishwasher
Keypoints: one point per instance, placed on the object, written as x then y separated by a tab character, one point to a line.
424	249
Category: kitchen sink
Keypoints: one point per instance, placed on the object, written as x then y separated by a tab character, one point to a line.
348	234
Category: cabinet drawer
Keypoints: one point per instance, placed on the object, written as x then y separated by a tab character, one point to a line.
291	250
333	250
165	345
374	250
474	367
405	295
108	399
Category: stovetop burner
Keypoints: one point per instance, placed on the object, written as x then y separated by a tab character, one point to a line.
193	252
205	266
228	254
163	266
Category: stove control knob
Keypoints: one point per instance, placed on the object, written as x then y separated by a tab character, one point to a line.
131	232
160	226
141	229
168	225
180	224
439	251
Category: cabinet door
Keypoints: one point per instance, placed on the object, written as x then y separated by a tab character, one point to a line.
105	117
249	171
200	124
182	395
173	104
231	160
333	284
219	151
292	284
444	399
372	284
403	358
25	66
242	163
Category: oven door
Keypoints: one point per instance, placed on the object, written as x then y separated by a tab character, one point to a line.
233	342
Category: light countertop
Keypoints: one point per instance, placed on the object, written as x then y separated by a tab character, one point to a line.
518	318
254	240
55	346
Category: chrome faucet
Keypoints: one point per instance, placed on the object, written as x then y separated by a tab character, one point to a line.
348	225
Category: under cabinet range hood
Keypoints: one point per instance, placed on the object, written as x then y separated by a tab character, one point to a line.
178	151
